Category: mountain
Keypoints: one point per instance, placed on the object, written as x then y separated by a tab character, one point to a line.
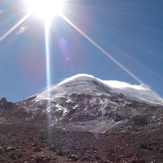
106	121
85	103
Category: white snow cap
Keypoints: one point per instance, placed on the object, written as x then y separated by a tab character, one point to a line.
135	92
138	92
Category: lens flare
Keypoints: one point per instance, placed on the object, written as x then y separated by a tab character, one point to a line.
63	45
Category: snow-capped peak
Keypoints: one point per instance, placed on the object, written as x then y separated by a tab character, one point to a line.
86	103
84	82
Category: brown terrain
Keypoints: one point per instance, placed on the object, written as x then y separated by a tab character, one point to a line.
27	143
139	140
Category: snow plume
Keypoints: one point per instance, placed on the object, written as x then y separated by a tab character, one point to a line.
22	29
137	92
123	85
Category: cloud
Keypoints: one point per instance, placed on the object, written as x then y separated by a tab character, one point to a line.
123	85
1	12
139	92
22	29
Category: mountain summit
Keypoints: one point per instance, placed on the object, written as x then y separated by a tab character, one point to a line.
88	83
86	103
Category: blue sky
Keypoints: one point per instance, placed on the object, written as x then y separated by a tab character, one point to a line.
128	30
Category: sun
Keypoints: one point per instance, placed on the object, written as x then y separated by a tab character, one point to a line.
45	9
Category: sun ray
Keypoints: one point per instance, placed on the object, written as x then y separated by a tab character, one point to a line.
15	26
48	76
102	50
47	53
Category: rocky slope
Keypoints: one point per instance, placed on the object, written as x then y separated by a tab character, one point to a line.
27	143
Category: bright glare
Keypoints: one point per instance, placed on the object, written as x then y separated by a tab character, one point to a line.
45	9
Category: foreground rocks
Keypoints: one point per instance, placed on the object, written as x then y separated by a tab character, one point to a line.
27	143
25	137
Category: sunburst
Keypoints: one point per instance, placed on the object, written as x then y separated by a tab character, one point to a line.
45	9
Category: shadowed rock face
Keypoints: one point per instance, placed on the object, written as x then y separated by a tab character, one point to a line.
5	104
88	111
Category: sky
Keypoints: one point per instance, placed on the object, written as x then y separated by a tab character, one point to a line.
129	32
